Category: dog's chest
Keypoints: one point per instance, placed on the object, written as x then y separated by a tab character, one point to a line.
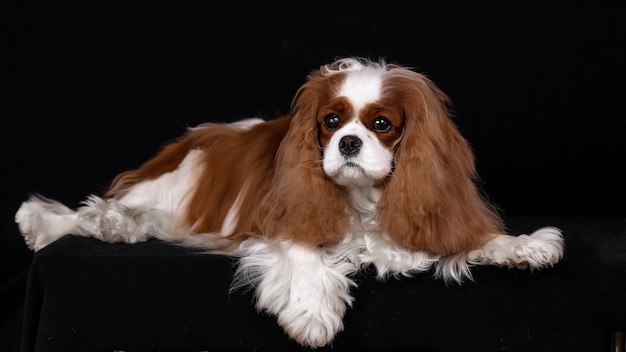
363	207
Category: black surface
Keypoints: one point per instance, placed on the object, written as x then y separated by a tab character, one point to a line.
87	295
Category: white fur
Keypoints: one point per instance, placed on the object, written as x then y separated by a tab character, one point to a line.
362	87
42	221
391	259
307	288
371	164
168	192
542	248
351	64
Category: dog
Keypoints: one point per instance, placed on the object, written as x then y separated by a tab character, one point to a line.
367	169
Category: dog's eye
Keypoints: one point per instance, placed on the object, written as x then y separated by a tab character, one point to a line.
381	125
332	121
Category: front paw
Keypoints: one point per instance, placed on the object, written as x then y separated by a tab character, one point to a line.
312	324
307	292
542	248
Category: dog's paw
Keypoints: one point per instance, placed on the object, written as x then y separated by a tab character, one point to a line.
317	301
29	222
306	290
542	248
41	221
312	324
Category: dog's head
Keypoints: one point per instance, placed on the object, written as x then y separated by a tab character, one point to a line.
358	123
358	126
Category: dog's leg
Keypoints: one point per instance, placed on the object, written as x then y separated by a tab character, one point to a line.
111	220
42	221
542	248
306	288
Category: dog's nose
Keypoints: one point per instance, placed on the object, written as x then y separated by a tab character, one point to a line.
350	146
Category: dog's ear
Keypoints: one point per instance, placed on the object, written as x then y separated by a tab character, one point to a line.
431	202
302	204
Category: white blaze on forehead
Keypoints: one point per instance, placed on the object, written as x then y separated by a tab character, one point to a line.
362	87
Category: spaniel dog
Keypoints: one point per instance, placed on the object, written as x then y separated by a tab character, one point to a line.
367	169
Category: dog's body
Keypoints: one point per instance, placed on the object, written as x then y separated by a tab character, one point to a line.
368	169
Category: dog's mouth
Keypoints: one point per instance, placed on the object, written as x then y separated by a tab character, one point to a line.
351	169
352	164
351	173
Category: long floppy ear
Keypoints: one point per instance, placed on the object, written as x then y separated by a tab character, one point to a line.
431	202
302	204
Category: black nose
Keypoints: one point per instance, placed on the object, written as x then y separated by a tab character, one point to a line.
350	145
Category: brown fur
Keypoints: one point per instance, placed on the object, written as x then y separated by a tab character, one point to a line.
303	204
431	202
234	161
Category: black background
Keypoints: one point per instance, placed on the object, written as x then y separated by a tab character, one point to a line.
92	89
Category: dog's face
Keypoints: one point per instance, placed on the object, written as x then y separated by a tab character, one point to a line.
358	131
358	125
